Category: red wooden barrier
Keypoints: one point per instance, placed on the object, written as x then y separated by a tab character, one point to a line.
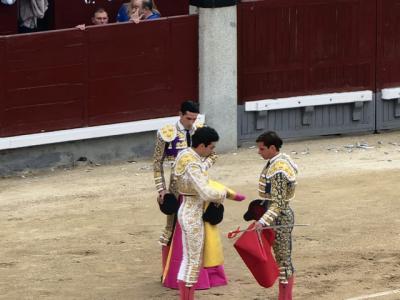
8	19
134	65
128	71
299	47
69	13
388	73
45	85
2	96
173	8
105	74
185	61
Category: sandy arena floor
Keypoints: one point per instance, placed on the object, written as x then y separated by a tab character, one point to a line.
91	232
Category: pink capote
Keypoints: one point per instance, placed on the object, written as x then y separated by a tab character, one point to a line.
208	277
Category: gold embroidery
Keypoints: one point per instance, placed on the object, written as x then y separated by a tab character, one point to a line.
158	160
168	133
183	161
283	166
198	124
181	143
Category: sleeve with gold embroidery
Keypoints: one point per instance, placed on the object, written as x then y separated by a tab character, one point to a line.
202	186
210	160
279	185
158	161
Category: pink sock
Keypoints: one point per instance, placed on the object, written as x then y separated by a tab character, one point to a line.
285	290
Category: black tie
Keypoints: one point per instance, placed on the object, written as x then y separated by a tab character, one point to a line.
188	138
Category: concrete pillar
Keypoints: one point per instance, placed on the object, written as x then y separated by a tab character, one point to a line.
193	10
218	72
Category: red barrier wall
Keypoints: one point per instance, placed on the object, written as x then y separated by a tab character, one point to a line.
105	74
128	68
388	74
2	89
8	19
157	64
173	8
45	82
300	47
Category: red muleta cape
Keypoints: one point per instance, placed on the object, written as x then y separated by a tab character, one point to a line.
255	249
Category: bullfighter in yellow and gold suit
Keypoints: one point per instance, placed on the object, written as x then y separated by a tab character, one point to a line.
277	186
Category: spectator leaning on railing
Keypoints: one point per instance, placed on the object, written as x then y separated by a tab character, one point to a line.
127	10
145	12
100	17
138	10
149	10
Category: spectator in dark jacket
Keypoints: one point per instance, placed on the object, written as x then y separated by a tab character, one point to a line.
100	17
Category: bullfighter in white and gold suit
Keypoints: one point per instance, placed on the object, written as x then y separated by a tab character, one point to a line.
171	140
197	190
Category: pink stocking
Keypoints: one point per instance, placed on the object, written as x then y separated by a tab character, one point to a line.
285	290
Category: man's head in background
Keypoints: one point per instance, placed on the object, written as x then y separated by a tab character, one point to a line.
188	114
100	17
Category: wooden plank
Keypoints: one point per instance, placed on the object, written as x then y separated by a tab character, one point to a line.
2	84
184	58
301	47
45	82
388	43
136	72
